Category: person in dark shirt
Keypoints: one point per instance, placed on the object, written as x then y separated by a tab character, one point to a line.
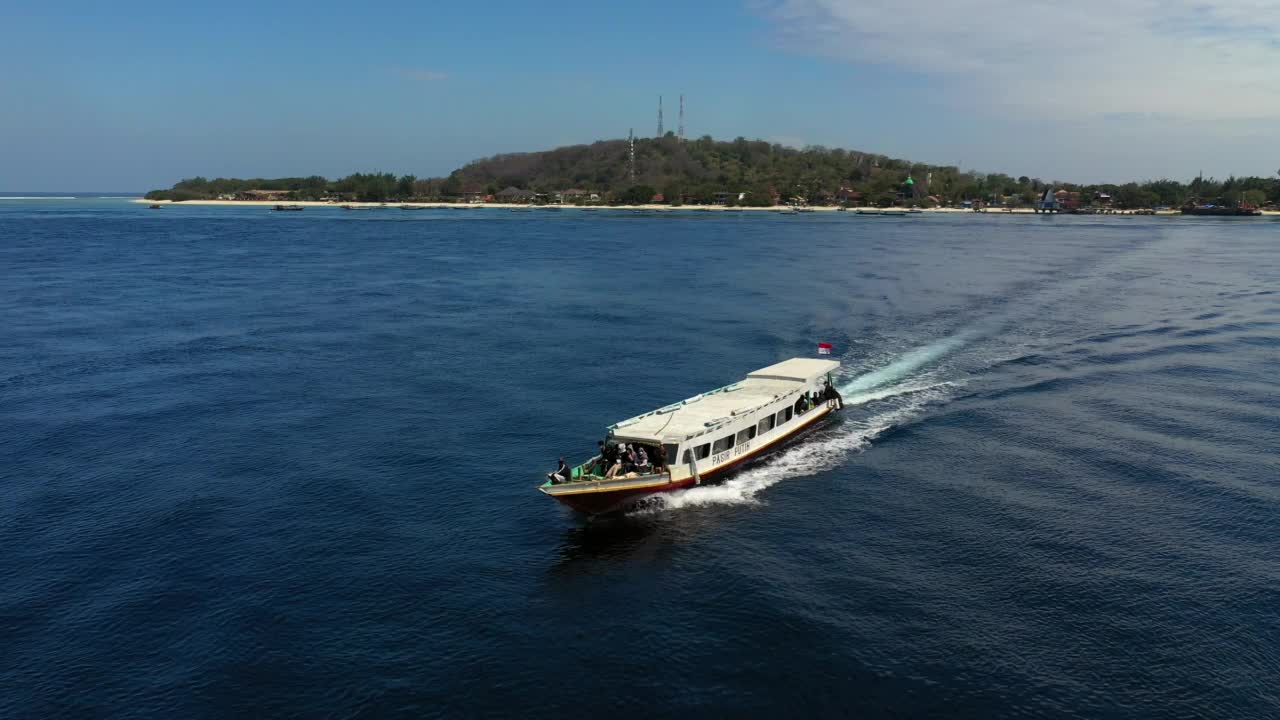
660	459
561	474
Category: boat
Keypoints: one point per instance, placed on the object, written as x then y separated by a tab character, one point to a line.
1241	210
704	437
915	210
289	208
842	209
867	211
156	206
895	212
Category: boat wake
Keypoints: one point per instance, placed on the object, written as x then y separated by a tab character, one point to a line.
875	401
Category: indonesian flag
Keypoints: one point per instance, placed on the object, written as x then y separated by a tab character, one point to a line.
824	348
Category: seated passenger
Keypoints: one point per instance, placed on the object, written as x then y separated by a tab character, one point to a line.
562	473
660	459
642	460
614	469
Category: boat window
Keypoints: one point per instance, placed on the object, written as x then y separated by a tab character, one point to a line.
700	452
671	451
746	434
784	415
766	424
722	444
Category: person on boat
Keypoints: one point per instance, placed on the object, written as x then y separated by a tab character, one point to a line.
660	459
603	457
631	460
830	393
642	460
614	469
561	474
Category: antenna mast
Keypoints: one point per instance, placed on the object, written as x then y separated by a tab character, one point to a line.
631	141
680	132
659	116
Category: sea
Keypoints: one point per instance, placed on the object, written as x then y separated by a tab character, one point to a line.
265	464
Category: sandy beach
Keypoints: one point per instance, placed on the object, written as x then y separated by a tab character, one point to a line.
658	208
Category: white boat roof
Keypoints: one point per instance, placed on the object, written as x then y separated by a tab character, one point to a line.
703	413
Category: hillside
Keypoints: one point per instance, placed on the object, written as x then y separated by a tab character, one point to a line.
697	169
705	170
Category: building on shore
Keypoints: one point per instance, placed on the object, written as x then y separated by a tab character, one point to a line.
515	195
848	195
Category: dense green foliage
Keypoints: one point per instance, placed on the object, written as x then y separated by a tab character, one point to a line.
695	171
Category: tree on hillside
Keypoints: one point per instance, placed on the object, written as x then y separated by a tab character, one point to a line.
637	195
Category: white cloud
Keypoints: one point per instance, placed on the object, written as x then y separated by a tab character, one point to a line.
1161	60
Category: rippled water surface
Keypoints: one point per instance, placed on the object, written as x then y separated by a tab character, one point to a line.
260	464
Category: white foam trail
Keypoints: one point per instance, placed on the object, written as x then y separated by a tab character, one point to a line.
812	456
906	364
827	450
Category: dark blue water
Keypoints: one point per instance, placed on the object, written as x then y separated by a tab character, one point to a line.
283	465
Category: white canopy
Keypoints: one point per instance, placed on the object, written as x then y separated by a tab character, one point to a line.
702	413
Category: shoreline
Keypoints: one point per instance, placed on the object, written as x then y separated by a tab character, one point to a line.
657	208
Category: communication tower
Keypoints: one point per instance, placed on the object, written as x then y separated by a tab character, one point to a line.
631	142
680	130
659	116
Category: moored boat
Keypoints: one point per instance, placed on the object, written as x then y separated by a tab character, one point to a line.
289	208
1221	211
701	438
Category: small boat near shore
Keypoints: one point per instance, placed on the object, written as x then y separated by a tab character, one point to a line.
867	211
288	208
1221	211
702	438
156	206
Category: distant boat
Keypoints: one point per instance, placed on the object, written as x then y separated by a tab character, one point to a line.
894	212
842	209
1221	211
521	209
867	211
915	211
156	206
289	208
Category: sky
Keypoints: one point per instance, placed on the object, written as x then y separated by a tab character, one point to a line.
107	97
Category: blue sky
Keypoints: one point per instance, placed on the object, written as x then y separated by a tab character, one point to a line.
110	97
